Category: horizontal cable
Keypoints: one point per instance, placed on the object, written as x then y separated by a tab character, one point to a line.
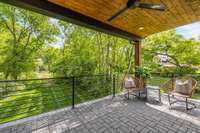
33	106
39	96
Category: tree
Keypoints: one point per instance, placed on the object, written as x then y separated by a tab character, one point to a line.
180	51
26	33
86	51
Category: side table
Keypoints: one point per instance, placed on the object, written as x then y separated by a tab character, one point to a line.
154	88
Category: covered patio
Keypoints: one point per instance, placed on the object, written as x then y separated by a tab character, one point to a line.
110	114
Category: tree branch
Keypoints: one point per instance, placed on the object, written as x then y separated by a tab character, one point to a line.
170	56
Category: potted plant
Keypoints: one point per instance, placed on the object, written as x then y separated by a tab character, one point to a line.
143	73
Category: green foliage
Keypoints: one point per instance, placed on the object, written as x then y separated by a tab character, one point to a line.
179	71
87	52
27	37
143	72
158	80
23	37
179	51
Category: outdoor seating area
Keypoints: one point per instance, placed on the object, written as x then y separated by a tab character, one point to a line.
181	88
113	116
99	66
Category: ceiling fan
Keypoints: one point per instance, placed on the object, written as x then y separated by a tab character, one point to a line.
131	4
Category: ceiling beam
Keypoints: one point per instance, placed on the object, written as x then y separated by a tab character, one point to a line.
47	8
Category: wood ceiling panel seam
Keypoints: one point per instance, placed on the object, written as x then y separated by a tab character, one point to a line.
94	16
173	12
157	18
93	12
180	13
153	23
124	23
140	24
152	14
180	9
106	8
195	12
169	14
178	17
187	9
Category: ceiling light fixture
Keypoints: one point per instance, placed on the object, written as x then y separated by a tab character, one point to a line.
141	28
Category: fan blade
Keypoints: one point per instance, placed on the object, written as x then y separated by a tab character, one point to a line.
117	14
159	7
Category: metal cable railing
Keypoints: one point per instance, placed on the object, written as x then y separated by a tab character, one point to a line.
24	98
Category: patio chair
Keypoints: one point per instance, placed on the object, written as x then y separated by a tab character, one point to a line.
178	88
131	85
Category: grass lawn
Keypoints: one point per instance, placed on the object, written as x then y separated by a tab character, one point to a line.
157	81
23	100
33	100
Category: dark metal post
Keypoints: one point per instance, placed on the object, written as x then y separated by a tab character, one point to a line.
73	92
113	85
186	102
159	95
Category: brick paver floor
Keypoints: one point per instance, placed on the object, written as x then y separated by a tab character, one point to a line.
111	116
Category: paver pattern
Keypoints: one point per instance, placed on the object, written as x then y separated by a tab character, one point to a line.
113	116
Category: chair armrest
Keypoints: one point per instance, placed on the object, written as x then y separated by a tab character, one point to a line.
194	85
167	86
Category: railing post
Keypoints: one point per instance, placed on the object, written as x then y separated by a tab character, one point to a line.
73	92
113	81
173	80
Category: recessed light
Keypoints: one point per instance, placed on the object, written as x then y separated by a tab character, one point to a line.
141	28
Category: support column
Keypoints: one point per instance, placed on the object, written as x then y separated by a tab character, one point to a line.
137	58
138	53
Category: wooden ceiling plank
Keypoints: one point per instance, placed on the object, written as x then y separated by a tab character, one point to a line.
194	4
178	17
188	10
129	22
153	20
181	9
53	10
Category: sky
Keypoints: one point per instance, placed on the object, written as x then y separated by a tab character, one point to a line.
190	31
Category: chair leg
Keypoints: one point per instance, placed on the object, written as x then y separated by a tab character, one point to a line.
139	94
186	103
128	94
169	99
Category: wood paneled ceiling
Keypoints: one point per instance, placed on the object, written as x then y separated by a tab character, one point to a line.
180	12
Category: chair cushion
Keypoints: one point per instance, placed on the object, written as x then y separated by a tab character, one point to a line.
129	82
183	86
179	95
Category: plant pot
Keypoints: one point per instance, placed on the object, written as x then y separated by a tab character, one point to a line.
143	83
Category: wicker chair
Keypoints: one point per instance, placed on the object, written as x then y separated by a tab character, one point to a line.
170	87
131	85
